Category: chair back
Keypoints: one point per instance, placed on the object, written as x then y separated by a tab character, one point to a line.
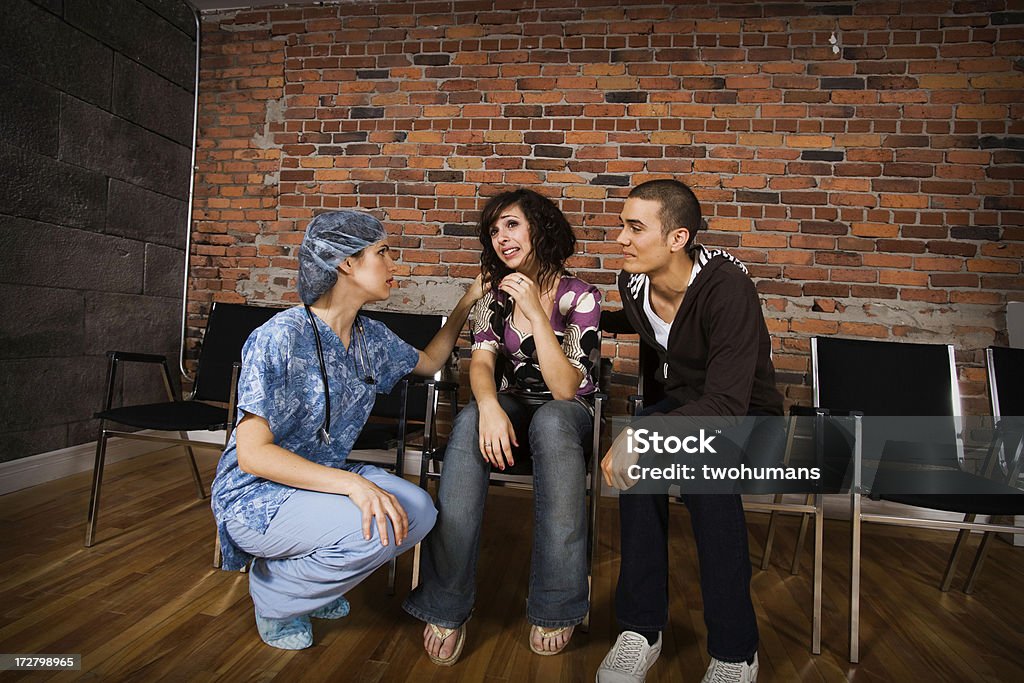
648	384
884	378
1005	380
892	379
227	329
416	329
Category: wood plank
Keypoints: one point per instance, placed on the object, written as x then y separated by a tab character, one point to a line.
144	604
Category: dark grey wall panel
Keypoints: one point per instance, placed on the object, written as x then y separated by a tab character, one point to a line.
139	213
176	12
153	102
38	44
100	141
165	270
118	322
15	445
54	256
36	331
133	29
60	390
30	113
42	188
55	6
95	139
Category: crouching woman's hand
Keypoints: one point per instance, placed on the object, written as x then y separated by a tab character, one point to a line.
377	504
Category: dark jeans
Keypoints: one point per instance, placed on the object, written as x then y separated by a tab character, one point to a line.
720	530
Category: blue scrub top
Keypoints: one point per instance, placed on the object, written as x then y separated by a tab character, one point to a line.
280	382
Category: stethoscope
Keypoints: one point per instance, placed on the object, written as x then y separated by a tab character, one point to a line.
359	338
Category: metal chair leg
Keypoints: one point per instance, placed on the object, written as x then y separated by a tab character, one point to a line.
954	556
97	482
196	477
392	575
979	560
801	536
770	538
585	624
416	551
819	538
855	539
217	560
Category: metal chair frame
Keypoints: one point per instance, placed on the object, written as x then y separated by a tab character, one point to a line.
1012	472
858	516
115	358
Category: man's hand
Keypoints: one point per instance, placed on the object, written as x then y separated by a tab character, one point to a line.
616	463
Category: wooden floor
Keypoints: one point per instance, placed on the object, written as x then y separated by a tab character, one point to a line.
145	604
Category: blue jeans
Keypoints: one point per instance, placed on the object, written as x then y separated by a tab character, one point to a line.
557	431
720	531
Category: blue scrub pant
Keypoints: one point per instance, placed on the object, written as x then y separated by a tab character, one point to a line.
314	551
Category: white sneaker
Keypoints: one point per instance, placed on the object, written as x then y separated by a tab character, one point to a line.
629	659
731	672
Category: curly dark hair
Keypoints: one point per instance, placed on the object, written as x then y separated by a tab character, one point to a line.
550	235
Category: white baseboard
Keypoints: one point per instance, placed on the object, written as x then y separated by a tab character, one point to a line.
44	467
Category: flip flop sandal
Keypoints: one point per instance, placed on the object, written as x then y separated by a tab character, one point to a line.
444	634
549	633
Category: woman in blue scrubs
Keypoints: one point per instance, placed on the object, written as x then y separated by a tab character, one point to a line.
284	496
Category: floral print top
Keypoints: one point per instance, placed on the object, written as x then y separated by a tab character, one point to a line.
574	319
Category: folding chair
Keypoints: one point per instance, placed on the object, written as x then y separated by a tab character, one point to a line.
1005	382
878	378
405	405
227	328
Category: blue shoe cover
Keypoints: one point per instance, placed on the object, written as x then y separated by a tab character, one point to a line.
335	610
285	634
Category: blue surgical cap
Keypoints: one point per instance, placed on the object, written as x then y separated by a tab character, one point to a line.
331	238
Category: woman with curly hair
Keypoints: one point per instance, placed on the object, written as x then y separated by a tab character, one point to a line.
539	326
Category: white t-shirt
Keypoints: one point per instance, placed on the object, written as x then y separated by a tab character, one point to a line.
661	328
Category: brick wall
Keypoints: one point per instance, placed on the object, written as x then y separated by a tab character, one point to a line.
865	159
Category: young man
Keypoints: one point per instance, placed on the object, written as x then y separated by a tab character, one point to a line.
700	311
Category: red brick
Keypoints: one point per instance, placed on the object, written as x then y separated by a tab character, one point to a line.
833	195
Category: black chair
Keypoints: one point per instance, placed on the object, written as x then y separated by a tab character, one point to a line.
805	427
1005	382
406	405
514	477
227	328
885	379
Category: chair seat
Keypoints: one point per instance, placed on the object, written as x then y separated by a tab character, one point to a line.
974	494
377	436
172	416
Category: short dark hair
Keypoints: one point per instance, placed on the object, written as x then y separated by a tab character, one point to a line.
679	205
550	235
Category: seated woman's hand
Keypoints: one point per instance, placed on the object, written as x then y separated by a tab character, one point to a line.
497	437
375	502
